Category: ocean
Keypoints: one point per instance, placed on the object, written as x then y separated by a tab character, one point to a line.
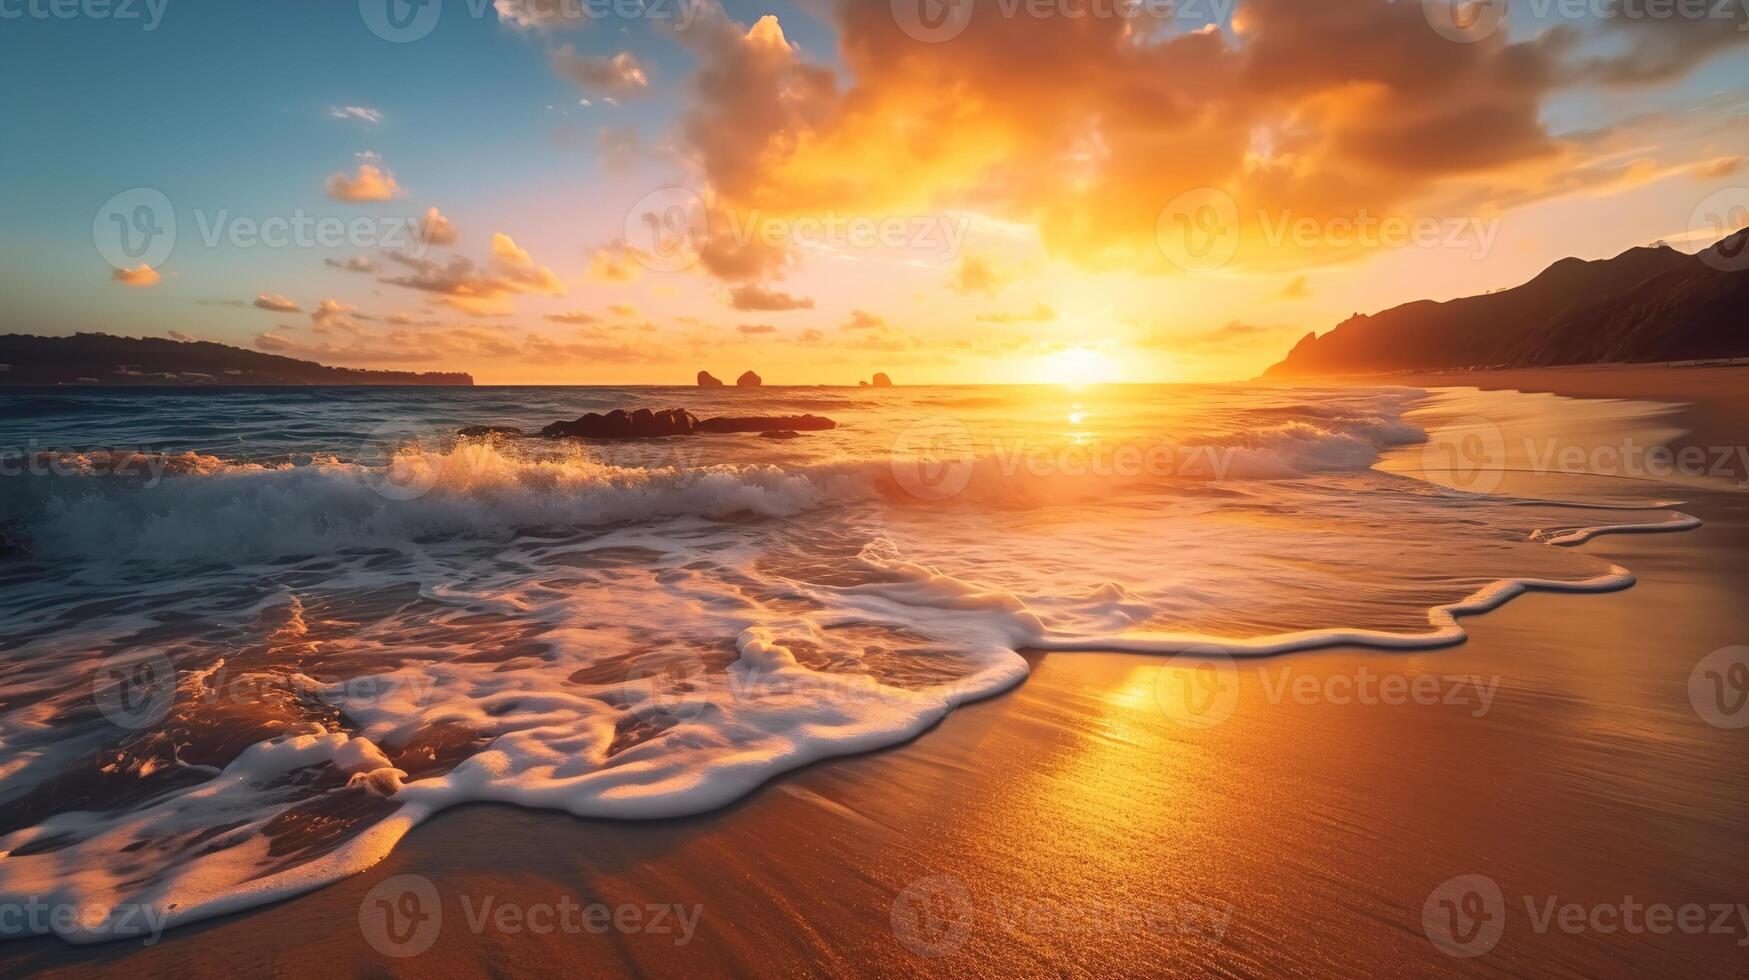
249	638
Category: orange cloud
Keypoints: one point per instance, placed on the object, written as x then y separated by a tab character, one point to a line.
141	276
371	183
615	263
864	320
435	229
476	290
574	318
276	303
977	275
758	298
332	315
1721	167
1315	110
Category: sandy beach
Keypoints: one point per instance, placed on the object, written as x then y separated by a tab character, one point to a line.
1086	822
1714	399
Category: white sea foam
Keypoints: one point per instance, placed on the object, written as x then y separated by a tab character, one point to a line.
356	648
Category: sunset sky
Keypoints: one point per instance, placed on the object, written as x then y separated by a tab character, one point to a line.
1002	199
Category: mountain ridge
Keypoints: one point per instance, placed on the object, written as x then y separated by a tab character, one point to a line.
1649	303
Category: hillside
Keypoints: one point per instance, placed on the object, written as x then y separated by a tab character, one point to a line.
96	358
1646	304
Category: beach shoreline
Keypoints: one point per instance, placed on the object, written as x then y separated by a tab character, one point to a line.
1713	399
1081	823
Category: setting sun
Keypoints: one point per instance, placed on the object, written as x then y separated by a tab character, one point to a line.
1076	366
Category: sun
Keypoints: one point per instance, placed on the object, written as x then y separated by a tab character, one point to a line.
1076	366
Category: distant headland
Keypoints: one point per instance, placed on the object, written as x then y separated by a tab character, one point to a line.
1646	305
102	359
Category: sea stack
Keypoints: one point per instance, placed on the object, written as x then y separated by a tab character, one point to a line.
709	380
882	381
748	380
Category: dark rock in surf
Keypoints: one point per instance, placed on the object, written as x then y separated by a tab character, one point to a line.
882	381
709	380
781	434
775	423
748	380
620	424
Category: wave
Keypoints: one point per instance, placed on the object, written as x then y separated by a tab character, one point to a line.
34	407
191	505
605	741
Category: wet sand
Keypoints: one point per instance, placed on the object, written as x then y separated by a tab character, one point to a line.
1715	398
1094	820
